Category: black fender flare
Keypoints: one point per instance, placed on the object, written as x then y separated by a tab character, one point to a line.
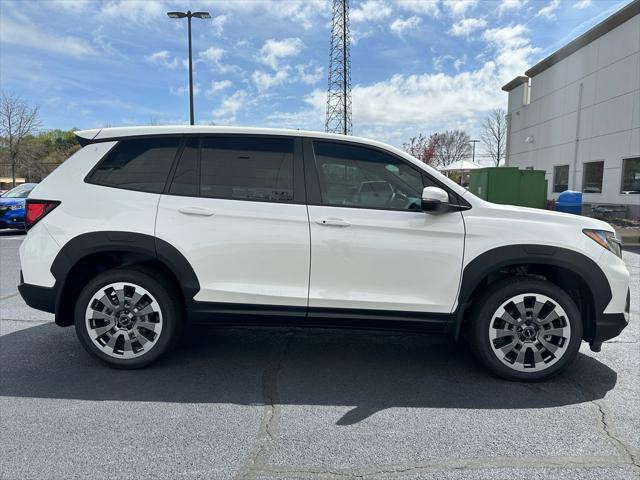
529	254
150	246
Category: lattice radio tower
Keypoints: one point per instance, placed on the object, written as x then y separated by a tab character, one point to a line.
339	92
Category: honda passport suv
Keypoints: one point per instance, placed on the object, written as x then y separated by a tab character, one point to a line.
145	229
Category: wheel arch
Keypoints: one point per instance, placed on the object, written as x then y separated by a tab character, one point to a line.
572	271
88	254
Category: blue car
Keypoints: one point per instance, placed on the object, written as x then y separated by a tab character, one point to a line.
12	206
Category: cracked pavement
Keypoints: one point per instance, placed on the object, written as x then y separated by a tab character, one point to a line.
267	404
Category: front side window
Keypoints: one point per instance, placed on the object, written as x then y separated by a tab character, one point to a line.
560	178
354	176
631	176
247	168
141	164
592	177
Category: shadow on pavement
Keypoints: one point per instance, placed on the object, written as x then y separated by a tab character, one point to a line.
369	371
11	232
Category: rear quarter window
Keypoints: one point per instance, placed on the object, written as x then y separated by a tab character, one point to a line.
140	164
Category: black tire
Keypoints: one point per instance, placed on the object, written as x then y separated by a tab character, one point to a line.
490	300
160	288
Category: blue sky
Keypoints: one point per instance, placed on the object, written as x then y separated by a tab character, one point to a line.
417	65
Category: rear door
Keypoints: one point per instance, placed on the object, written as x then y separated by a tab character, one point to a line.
235	209
373	248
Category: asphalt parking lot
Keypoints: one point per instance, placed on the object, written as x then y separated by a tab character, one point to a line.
321	404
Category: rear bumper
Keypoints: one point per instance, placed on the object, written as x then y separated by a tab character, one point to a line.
40	298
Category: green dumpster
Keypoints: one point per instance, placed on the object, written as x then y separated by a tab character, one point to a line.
510	186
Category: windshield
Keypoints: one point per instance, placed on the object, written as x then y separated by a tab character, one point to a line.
21	191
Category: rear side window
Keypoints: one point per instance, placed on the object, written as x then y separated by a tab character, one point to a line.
247	168
141	164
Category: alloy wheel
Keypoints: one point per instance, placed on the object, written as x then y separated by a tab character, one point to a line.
123	320
529	332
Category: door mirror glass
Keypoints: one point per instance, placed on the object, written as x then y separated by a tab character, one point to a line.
434	199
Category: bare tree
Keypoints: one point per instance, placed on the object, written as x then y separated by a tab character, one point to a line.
494	134
17	122
422	148
452	145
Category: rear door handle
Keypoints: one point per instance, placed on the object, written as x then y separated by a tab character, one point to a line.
332	222
204	212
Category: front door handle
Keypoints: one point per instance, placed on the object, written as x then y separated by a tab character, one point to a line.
332	222
204	212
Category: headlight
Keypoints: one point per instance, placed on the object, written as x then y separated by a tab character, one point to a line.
605	239
16	207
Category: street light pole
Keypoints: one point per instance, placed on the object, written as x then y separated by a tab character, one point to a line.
189	15
191	116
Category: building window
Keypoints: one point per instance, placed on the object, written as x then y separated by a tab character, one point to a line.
592	177
631	176
560	178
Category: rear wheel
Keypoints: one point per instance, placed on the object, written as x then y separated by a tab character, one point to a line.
525	329
128	317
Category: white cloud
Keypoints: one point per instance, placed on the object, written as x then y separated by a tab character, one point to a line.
370	11
439	62
549	10
218	24
582	4
299	12
211	54
401	25
274	50
309	74
402	105
459	62
230	106
163	59
459	7
28	35
134	11
466	26
264	80
423	7
213	57
506	5
217	87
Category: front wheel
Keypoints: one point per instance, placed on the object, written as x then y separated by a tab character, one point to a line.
525	329
128	317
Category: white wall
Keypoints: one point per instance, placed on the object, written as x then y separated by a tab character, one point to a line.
609	71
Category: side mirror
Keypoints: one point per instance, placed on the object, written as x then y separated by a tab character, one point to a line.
434	199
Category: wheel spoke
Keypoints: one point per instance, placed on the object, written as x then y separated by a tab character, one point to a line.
510	346
506	316
99	331
504	332
549	346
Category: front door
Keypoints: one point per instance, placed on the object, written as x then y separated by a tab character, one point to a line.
234	210
372	246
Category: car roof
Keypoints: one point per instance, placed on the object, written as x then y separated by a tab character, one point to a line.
98	134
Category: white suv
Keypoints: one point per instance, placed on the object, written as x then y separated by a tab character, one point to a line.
147	228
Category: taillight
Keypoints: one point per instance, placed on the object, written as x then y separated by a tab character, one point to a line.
36	210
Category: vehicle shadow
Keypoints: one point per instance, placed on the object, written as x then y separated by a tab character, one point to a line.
11	232
369	371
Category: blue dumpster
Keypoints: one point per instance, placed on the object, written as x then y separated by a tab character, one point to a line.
570	201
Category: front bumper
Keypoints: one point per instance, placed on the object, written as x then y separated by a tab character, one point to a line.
610	325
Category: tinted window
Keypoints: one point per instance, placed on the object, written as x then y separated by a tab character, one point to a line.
560	178
185	179
631	175
137	164
247	168
592	177
354	176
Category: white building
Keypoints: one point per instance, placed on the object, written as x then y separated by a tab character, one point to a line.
576	114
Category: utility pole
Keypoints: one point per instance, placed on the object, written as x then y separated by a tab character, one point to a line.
338	118
189	15
473	155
